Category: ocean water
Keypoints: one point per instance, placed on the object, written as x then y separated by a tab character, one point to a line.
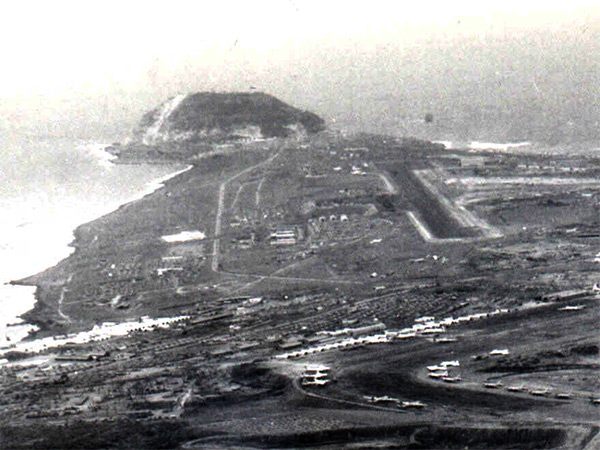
49	186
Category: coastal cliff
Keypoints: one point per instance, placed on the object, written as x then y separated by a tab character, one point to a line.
221	117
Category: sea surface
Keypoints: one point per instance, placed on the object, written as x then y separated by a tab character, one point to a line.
48	186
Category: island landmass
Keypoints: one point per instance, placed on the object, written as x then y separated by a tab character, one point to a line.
325	287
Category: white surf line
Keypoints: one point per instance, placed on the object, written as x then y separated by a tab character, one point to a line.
151	134
151	187
462	215
99	152
476	145
160	182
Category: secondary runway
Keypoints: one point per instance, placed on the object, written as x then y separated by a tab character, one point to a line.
414	196
436	218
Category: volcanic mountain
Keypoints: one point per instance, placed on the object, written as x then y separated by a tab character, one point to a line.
224	117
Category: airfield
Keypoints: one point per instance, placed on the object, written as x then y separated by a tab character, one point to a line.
340	291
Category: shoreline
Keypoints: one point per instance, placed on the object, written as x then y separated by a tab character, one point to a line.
150	188
22	323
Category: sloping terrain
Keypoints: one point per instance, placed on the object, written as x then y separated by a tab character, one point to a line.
224	117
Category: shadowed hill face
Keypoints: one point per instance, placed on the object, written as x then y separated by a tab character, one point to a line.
209	114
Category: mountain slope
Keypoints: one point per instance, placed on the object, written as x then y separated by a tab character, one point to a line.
224	116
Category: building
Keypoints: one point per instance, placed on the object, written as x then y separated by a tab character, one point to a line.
286	235
245	241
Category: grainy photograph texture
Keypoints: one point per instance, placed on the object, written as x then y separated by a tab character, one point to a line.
299	224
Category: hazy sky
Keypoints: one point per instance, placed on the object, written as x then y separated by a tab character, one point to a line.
109	61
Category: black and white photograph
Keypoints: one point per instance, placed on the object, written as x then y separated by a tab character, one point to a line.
300	224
